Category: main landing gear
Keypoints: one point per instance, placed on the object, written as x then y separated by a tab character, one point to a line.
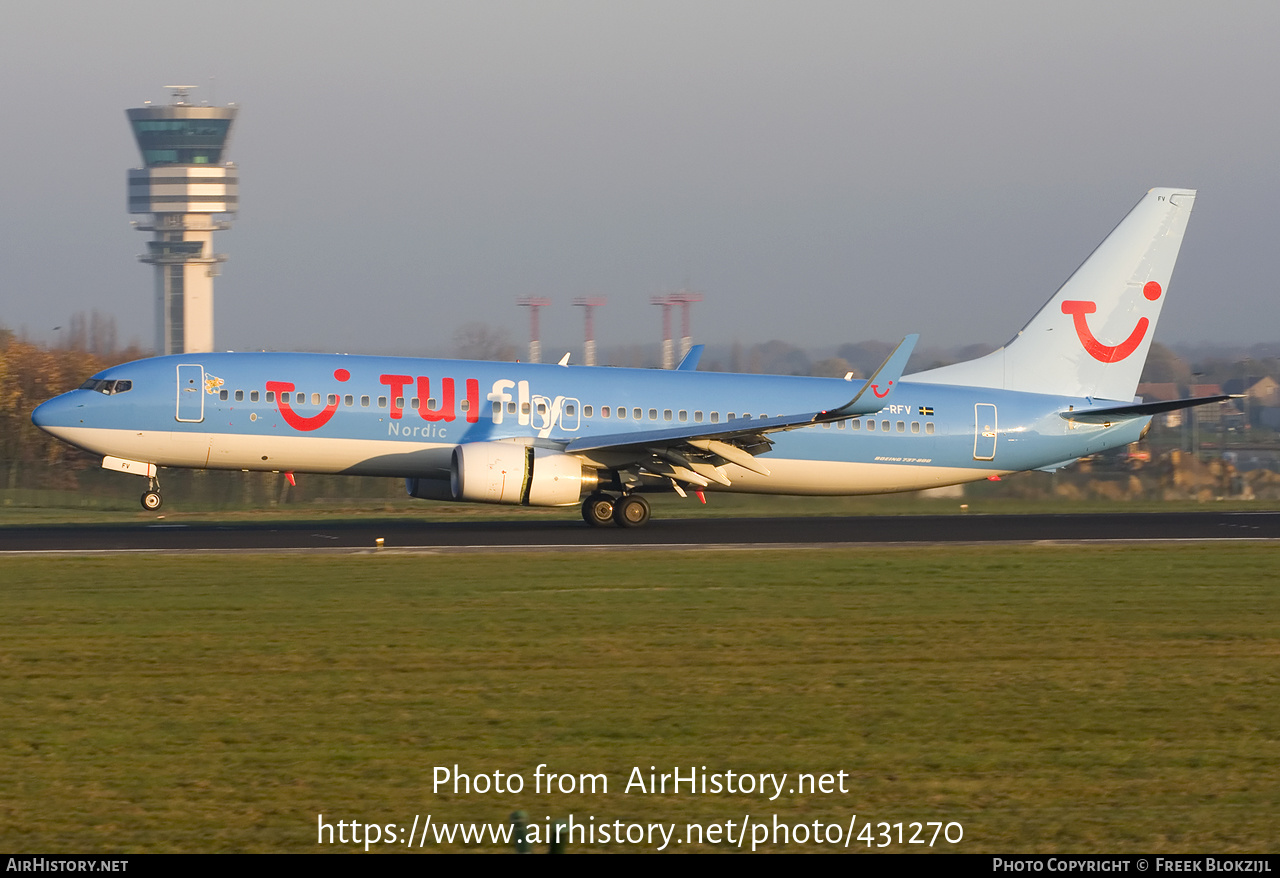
629	510
152	500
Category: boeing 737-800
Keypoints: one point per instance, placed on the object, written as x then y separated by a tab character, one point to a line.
561	435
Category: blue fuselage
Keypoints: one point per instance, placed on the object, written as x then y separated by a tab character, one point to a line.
402	417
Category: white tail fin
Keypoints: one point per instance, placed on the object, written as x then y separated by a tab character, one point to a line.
1092	337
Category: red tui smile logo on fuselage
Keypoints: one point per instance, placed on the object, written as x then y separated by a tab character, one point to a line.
282	389
1102	352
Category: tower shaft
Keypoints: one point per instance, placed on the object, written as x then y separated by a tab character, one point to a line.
186	187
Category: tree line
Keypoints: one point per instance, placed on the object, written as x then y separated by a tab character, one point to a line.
31	373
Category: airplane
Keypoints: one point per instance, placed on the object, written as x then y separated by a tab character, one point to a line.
603	437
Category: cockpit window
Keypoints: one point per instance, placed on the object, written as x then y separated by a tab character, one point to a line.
107	386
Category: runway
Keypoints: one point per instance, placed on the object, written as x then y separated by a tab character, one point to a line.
398	534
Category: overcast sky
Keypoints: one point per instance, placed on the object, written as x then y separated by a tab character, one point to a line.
821	172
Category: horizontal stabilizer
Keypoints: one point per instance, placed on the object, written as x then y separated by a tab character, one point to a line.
1138	409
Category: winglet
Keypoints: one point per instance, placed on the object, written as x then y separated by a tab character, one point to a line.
690	361
881	384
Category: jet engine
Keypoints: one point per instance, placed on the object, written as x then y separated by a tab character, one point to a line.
503	472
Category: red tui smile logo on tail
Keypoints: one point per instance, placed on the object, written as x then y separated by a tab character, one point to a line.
1102	352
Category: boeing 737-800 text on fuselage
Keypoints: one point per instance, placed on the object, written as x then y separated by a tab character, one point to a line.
560	435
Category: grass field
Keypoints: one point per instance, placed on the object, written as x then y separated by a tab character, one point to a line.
1046	698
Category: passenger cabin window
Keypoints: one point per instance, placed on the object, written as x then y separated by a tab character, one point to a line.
222	394
666	414
253	396
653	414
715	417
364	401
271	396
604	411
586	411
684	416
697	417
902	427
333	399
915	426
635	413
315	399
871	425
239	396
928	427
382	402
349	400
855	425
884	425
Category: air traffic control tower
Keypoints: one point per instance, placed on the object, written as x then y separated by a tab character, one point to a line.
190	191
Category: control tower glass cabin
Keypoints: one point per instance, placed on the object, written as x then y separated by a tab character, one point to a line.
190	192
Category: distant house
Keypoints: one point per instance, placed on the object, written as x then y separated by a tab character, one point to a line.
1261	401
1210	414
1263	391
1158	391
1162	391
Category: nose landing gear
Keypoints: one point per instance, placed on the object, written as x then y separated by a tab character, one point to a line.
152	500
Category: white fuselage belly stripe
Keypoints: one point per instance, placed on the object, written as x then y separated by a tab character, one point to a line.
317	454
380	457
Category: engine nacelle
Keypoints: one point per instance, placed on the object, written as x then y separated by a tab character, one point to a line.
503	472
429	489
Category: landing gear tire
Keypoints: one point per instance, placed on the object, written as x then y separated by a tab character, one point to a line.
631	511
151	501
597	510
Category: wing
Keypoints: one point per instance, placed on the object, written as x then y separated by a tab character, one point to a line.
690	361
696	453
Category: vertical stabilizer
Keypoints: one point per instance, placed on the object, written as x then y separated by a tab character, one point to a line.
1092	337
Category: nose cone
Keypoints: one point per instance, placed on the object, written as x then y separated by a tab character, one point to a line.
57	414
